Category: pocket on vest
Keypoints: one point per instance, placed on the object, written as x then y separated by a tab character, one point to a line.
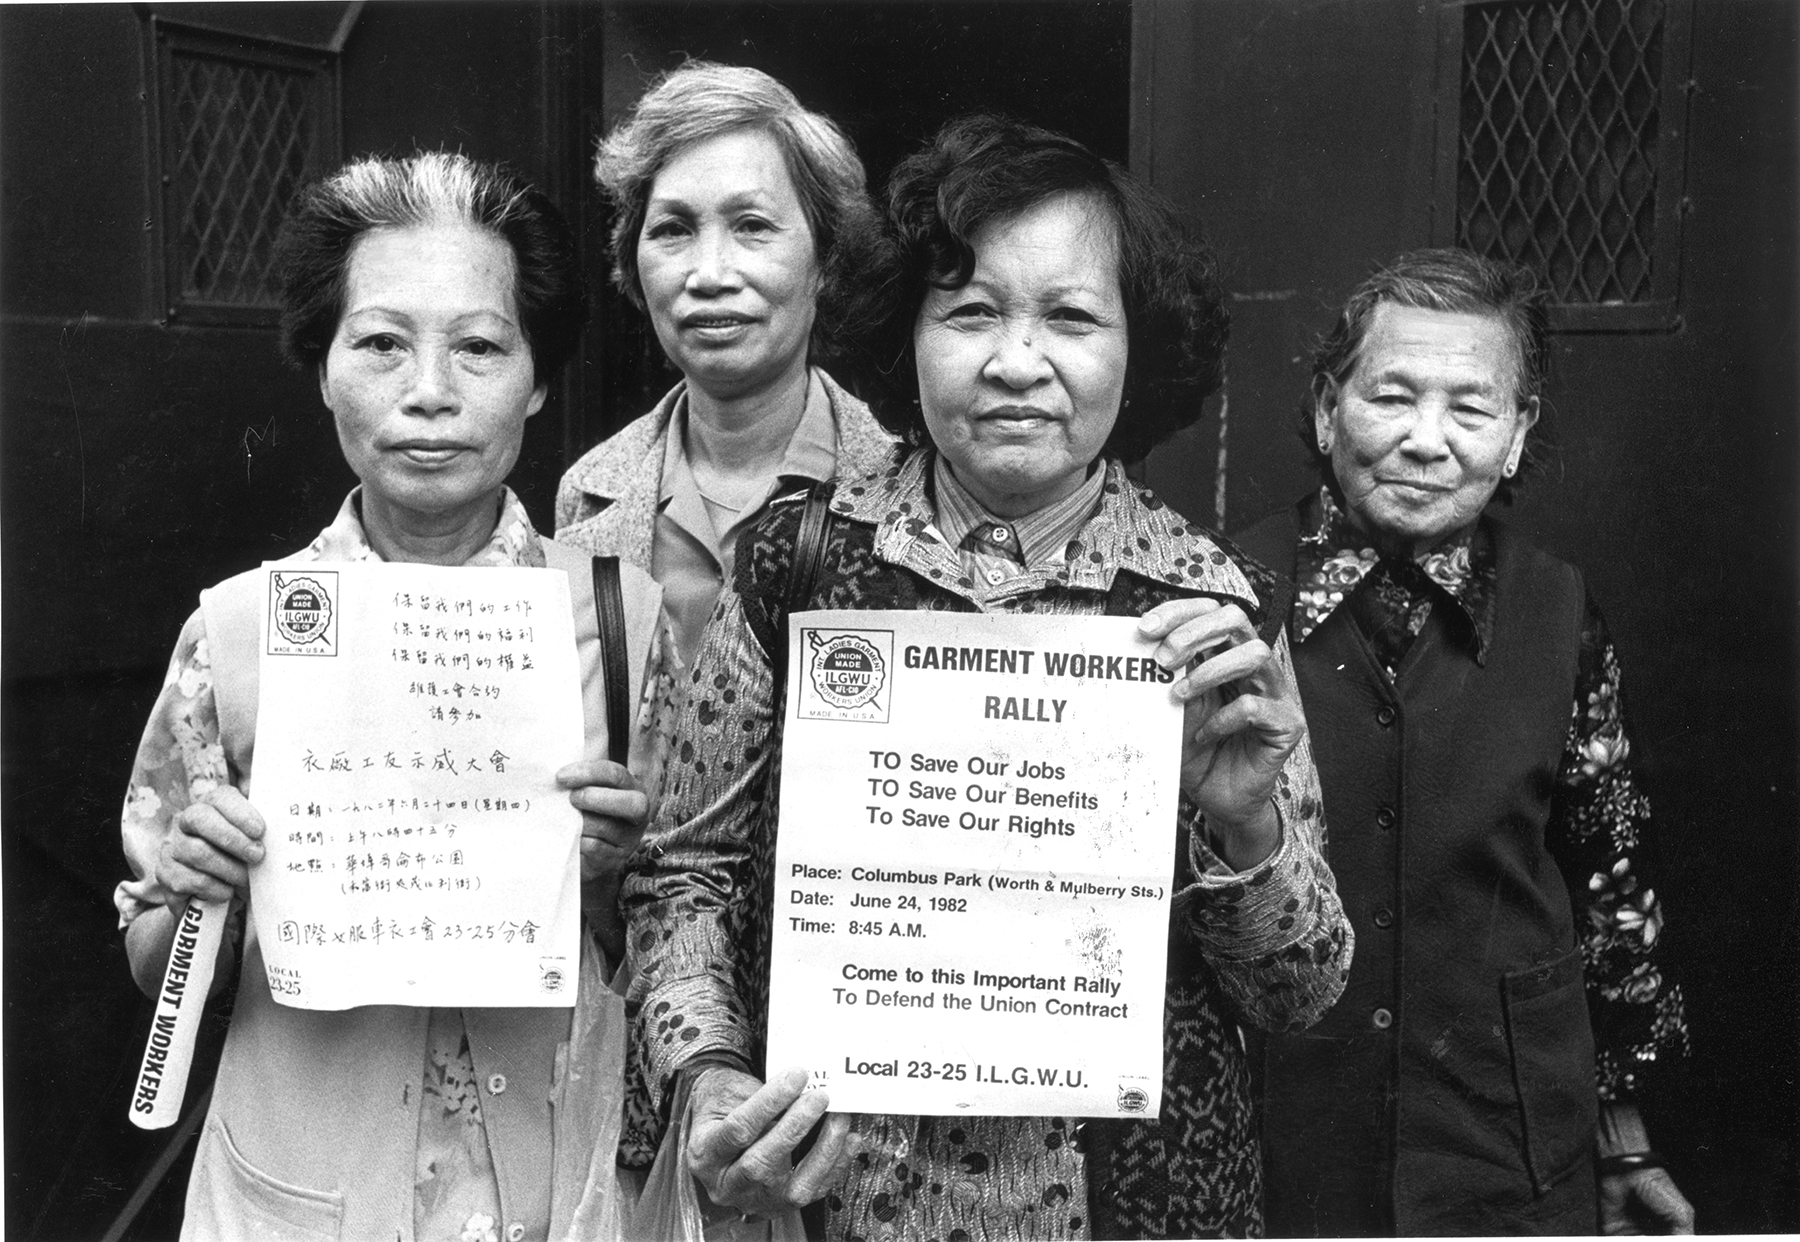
230	1199
1552	1049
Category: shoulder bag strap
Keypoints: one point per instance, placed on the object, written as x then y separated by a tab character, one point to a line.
803	576
609	611
809	550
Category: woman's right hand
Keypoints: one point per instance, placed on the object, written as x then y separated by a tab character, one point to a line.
217	839
743	1135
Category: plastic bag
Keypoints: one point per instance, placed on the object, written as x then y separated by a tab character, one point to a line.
669	1208
585	1195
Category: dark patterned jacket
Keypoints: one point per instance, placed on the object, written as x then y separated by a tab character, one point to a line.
1269	947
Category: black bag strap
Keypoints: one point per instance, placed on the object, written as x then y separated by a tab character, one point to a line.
609	610
809	550
803	576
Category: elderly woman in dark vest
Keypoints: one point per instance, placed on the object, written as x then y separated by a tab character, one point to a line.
1487	834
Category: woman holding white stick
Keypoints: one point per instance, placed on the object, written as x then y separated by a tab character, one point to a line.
434	297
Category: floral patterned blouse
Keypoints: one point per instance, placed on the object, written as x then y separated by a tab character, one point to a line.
1270	946
1599	825
456	1197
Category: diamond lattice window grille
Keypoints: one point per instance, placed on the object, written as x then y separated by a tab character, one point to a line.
1559	142
244	124
243	133
1562	147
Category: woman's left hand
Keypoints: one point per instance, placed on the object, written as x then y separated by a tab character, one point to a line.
613	810
1242	720
1638	1200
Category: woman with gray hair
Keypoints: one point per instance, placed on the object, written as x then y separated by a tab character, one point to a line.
744	230
1509	1000
434	298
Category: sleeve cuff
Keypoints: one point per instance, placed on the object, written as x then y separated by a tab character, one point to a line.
688	1022
1208	865
1248	914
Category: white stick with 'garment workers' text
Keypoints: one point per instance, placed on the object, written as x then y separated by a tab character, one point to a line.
977	832
169	1054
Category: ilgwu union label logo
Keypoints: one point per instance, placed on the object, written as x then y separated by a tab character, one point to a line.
846	674
1133	1099
303	613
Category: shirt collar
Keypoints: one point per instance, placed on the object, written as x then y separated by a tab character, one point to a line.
1334	557
1131	531
1043	535
514	543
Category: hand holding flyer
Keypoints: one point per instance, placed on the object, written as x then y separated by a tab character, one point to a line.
973	866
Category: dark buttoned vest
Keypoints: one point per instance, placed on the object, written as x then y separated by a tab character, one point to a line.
1451	1090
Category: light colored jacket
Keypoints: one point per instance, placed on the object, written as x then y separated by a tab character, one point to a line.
607	502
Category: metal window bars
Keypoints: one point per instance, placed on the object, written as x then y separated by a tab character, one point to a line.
1561	145
243	123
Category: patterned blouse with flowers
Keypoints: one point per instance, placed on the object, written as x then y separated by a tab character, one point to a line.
181	758
1269	947
1600	819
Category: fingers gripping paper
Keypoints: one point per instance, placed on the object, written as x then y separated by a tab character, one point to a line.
411	720
972	871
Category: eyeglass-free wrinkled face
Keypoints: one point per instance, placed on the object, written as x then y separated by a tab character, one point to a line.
429	374
728	265
1426	425
1021	370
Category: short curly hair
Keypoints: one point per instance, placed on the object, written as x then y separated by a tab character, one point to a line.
1457	282
982	168
312	255
701	100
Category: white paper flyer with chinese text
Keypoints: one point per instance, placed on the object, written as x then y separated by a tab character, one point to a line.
972	870
411	720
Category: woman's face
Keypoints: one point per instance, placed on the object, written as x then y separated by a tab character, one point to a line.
1021	370
1426	425
429	375
728	265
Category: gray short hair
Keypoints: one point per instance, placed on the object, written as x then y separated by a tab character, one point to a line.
701	100
436	187
1454	281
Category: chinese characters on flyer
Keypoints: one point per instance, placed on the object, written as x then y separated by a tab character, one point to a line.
411	721
972	871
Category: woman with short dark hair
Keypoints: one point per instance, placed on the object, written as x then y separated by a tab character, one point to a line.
1031	279
434	299
979	169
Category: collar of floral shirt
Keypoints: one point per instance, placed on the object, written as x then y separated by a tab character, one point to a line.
1040	537
1334	557
1133	530
514	543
